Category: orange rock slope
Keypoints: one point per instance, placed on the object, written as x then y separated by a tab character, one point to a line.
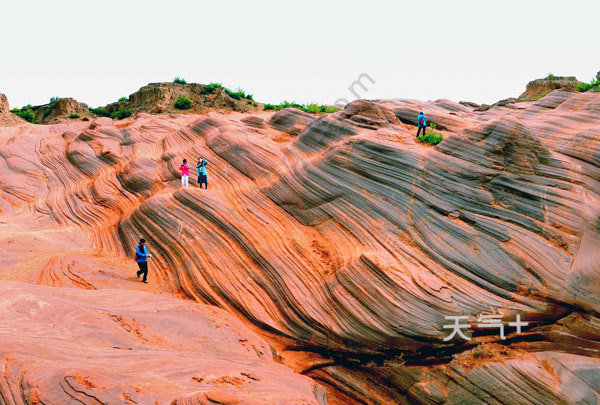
339	239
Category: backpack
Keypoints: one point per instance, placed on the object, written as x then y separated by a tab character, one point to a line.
421	121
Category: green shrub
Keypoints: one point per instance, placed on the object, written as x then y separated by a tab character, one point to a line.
123	99
540	96
583	87
328	109
122	113
311	108
100	112
53	99
593	84
238	94
550	76
234	94
27	114
183	103
47	112
210	88
179	80
431	136
525	99
85	119
287	104
74	116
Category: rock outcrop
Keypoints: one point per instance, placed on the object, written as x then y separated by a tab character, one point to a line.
342	240
540	87
158	98
369	114
59	110
6	117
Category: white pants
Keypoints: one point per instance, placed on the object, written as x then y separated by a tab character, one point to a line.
184	181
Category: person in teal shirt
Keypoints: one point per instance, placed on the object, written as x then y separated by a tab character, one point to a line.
201	167
422	122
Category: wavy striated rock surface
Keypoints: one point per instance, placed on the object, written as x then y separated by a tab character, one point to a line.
341	239
111	346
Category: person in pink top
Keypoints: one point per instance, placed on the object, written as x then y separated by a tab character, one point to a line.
185	173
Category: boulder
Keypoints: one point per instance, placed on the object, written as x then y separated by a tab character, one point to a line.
369	114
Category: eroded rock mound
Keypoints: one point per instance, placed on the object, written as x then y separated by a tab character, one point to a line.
540	87
60	110
157	98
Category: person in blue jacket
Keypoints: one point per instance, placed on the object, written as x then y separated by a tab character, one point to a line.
141	257
201	166
422	122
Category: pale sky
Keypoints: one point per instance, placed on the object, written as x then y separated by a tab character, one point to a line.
309	51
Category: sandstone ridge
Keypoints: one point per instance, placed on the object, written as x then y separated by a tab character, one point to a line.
341	241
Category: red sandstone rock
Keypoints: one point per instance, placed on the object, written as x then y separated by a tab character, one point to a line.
6	117
541	87
345	244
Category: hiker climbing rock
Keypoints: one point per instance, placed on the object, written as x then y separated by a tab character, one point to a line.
141	257
185	174
201	166
422	122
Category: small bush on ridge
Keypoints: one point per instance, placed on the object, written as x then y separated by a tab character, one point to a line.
238	94
210	88
179	80
74	116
